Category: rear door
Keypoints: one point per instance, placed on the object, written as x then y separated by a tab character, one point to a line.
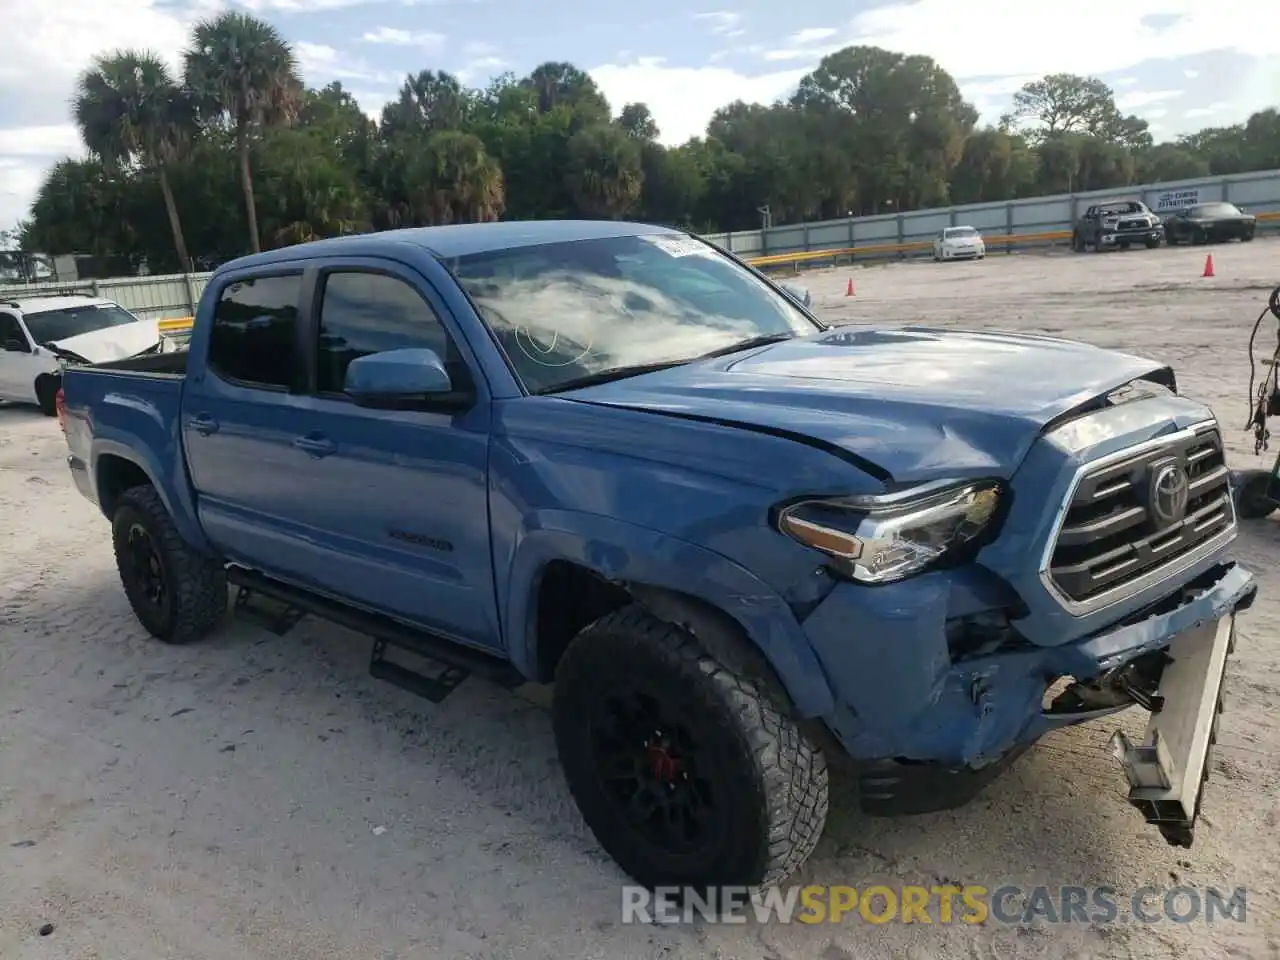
396	500
240	415
19	364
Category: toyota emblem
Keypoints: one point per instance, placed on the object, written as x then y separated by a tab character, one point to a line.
1170	489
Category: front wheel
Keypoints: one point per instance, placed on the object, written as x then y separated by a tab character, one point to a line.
46	394
178	594
687	774
1253	501
1153	244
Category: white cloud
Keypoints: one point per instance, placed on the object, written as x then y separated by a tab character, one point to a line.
47	45
475	71
991	47
1191	74
723	23
320	63
1144	98
403	38
682	99
61	139
813	35
1211	110
990	37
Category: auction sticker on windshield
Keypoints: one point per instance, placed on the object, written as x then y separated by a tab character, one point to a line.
678	246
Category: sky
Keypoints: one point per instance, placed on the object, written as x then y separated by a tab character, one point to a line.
1180	64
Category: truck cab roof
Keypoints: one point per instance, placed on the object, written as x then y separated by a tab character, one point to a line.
455	240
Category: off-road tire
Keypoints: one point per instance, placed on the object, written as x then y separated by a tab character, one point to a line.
768	780
1153	244
196	584
1077	243
46	394
1252	502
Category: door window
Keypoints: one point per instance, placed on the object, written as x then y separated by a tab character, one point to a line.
363	313
255	326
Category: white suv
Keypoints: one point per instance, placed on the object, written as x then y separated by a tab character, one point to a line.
38	335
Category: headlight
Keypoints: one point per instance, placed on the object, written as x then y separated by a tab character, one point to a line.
887	538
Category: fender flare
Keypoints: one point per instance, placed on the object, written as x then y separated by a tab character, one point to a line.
621	552
177	500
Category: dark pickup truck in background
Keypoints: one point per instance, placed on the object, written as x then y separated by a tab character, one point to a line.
612	457
1117	224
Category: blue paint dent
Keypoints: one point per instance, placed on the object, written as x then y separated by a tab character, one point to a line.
917	403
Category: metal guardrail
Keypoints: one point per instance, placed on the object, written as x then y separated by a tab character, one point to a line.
878	251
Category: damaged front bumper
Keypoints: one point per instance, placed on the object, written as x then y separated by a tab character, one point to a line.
943	727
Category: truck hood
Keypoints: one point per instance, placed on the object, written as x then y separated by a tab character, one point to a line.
112	343
908	405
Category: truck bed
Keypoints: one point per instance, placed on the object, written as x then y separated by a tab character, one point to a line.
131	405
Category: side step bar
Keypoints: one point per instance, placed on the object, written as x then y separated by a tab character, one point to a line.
454	661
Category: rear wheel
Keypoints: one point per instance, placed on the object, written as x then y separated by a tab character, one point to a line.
178	594
687	774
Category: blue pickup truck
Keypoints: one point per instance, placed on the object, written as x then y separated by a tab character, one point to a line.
740	542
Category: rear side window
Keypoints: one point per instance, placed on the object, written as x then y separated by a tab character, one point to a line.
10	333
363	313
254	328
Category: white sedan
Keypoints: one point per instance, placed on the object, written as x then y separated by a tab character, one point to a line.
959	243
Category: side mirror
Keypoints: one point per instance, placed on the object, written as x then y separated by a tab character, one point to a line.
403	379
14	345
797	293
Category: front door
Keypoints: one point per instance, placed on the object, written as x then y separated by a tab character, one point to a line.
397	499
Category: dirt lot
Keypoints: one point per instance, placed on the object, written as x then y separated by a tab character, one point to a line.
262	797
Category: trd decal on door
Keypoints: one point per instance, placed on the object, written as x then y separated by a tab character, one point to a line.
421	540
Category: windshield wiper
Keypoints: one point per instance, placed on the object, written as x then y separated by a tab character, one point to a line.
611	374
761	341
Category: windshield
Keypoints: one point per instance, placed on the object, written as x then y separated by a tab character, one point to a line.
49	326
1126	207
565	312
1216	210
952	232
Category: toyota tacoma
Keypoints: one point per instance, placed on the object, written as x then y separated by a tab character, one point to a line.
614	458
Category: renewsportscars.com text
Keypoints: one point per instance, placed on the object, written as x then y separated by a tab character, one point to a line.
947	904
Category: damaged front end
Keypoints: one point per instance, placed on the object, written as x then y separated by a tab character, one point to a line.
1107	585
977	713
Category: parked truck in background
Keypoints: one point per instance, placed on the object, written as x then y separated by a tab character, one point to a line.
1117	224
739	542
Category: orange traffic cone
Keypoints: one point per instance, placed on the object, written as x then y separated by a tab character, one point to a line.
1208	266
849	290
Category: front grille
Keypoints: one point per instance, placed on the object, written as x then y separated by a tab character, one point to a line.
1110	536
1133	224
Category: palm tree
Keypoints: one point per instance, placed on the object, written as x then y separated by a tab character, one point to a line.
129	110
242	71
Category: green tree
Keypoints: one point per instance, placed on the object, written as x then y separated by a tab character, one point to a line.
130	111
242	72
900	119
638	121
605	175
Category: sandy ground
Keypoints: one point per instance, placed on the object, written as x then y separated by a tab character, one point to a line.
224	800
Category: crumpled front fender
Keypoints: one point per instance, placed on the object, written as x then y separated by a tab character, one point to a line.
898	695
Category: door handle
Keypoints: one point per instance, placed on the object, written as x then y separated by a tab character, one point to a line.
315	445
203	424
